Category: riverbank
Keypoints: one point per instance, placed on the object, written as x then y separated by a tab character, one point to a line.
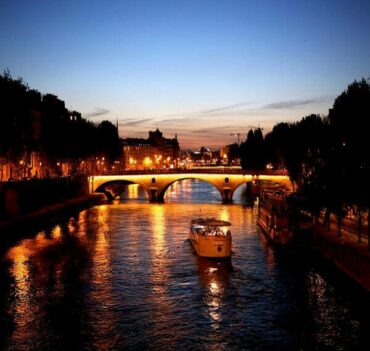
348	256
16	223
346	253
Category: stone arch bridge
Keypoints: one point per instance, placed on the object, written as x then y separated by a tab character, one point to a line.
156	183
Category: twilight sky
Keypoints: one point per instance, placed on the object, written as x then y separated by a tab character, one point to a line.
200	68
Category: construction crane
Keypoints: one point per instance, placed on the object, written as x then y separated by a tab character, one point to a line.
238	135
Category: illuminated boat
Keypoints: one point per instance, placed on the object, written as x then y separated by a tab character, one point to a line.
210	237
280	226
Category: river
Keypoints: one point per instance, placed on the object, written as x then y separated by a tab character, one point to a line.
122	275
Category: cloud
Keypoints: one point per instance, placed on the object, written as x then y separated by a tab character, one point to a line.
99	111
184	116
295	103
223	130
135	122
226	108
185	120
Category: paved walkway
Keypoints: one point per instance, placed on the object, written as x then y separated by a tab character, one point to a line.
346	253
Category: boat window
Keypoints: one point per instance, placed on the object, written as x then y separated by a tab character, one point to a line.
210	231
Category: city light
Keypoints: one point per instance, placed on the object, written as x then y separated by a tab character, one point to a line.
147	162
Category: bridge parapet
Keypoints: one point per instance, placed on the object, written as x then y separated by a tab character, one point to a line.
224	170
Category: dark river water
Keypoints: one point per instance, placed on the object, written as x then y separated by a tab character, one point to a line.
122	275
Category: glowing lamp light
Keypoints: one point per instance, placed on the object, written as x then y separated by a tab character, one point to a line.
147	161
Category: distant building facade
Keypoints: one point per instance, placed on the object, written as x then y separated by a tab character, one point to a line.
203	155
156	152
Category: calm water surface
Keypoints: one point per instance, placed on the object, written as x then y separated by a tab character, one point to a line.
123	276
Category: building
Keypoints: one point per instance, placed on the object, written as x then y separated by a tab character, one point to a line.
156	152
202	156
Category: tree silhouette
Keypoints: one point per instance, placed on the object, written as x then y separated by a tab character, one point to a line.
252	151
349	120
41	123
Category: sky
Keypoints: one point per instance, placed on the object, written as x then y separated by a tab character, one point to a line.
203	69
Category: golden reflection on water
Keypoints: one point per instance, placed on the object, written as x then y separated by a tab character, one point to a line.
22	257
157	269
19	256
225	214
214	277
102	280
158	228
72	227
34	254
22	305
81	224
101	253
133	191
56	233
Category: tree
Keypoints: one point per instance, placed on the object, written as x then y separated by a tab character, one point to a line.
349	119
252	151
16	101
282	149
109	143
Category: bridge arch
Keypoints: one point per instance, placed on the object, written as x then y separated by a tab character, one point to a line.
167	186
111	188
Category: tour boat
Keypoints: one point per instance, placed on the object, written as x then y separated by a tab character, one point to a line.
210	237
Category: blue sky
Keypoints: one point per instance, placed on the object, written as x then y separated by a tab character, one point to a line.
200	68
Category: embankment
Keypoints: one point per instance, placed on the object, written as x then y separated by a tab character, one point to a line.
28	203
347	254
